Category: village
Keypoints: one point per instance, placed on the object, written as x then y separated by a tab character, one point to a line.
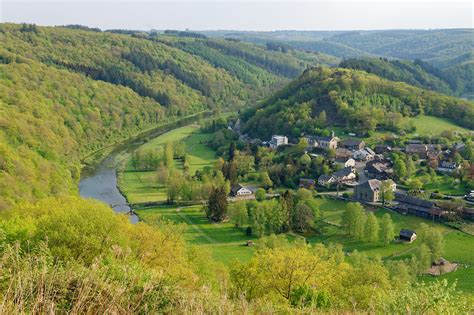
368	175
378	196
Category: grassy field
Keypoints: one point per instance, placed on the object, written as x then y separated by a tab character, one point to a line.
225	241
429	125
140	186
446	188
459	245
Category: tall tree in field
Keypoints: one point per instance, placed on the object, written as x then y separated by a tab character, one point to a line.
433	239
359	220
372	228
387	228
353	220
302	218
232	148
168	154
238	213
230	171
174	186
423	256
217	205
162	175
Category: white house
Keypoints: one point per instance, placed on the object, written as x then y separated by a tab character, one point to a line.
448	167
350	163
325	180
239	190
366	154
278	141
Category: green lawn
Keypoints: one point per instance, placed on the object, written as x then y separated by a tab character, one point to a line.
225	241
459	246
430	125
140	186
446	188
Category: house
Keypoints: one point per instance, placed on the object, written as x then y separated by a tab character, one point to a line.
407	235
417	148
350	163
368	191
278	141
459	147
307	183
353	144
365	154
325	180
346	174
328	143
416	206
448	167
312	142
239	190
342	154
379	169
381	149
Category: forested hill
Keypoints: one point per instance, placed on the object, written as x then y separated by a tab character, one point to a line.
434	46
455	80
356	100
67	92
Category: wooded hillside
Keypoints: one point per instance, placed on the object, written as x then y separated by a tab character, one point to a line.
354	99
67	92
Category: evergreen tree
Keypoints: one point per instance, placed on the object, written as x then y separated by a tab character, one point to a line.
232	148
217	205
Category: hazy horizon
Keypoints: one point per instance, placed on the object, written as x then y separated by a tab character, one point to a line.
243	15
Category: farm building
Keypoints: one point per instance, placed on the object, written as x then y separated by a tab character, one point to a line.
407	235
417	206
239	190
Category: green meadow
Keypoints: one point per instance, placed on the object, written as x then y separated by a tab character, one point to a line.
430	125
224	240
142	186
228	243
459	246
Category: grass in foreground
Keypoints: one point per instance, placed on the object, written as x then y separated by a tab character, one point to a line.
225	241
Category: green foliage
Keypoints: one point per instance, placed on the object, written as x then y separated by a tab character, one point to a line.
260	194
78	90
387	229
416	73
360	101
217	206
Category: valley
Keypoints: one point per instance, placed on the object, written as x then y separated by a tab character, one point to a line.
235	172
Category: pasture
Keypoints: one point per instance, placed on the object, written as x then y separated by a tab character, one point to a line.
430	125
142	186
224	240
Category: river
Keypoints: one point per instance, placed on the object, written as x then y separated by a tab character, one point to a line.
100	182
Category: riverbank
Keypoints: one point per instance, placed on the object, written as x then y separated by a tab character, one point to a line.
99	175
141	186
94	158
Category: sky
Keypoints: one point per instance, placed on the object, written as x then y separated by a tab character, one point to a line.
263	15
